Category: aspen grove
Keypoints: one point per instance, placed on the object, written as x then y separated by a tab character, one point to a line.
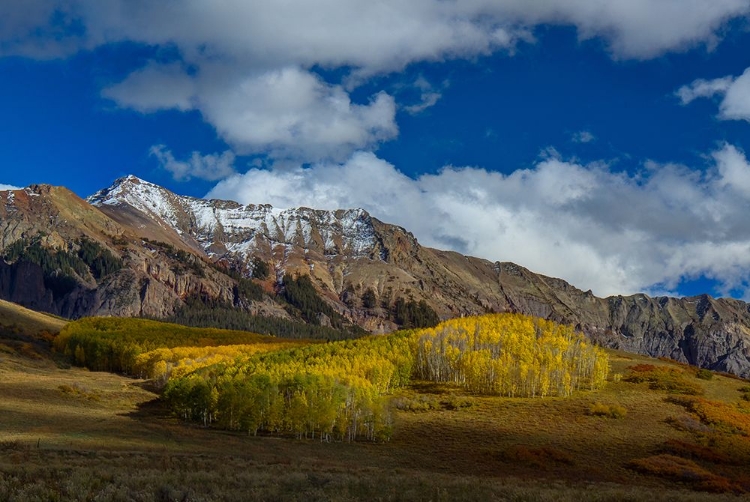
338	390
511	355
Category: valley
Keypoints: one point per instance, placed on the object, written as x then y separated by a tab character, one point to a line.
299	403
69	433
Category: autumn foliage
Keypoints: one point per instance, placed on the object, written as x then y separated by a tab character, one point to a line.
137	346
511	355
340	390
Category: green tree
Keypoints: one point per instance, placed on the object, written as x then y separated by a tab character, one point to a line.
369	300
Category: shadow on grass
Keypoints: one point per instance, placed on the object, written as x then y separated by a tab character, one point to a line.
436	388
154	409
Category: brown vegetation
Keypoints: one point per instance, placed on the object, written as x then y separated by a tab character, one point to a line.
72	434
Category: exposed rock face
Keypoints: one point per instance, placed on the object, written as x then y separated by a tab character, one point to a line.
23	283
346	253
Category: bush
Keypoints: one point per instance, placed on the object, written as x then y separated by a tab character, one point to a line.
681	469
458	402
607	411
672	380
694	451
416	404
704	374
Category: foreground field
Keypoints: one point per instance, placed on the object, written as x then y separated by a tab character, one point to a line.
71	434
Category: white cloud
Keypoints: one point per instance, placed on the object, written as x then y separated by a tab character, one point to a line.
588	224
428	99
42	29
638	29
8	187
735	92
373	36
285	113
701	88
155	87
583	137
210	167
736	103
251	62
429	96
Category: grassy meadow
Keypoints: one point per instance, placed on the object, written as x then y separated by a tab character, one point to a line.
651	433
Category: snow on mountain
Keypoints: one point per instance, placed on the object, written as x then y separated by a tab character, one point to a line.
239	229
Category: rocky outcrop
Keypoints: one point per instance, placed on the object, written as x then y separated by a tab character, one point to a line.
23	283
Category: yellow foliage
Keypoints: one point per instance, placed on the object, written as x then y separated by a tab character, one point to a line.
511	355
164	363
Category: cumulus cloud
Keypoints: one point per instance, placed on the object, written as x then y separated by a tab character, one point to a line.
735	93
210	167
736	103
284	113
636	28
597	228
252	63
373	36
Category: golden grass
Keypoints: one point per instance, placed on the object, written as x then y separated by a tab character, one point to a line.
28	321
71	434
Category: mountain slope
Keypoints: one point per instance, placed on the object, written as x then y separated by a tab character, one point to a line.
369	273
28	322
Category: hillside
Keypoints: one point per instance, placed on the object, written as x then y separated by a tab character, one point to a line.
136	249
649	433
26	332
21	320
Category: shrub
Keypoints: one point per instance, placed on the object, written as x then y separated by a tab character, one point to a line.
642	368
704	374
694	451
416	404
681	469
457	403
672	380
608	411
688	424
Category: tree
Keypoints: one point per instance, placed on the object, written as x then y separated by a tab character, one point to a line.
369	300
260	269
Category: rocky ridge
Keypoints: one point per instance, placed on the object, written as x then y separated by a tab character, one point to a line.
346	253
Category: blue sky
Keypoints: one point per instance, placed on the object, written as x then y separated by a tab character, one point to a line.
601	142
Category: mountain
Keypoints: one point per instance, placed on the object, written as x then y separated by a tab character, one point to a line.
137	249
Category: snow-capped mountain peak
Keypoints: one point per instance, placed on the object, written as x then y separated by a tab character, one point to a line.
240	230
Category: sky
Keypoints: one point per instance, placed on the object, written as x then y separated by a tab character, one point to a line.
603	142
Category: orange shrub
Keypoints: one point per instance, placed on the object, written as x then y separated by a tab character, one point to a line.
694	451
682	469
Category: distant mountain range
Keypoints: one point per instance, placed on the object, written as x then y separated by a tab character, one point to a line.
137	249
